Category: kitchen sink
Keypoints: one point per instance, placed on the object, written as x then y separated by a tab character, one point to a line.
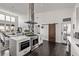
29	34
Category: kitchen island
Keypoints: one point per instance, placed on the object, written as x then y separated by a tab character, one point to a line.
19	45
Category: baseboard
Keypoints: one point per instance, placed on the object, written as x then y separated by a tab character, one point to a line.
61	43
64	43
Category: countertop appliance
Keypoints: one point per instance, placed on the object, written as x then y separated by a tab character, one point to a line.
19	45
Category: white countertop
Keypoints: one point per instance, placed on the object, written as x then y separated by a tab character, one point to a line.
74	47
20	37
76	41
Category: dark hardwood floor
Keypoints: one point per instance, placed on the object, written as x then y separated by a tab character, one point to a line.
49	49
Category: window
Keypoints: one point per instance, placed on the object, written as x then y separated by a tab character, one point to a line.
7	23
12	19
12	28
2	28
2	17
7	18
7	27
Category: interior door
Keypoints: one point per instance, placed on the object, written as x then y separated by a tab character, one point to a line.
52	32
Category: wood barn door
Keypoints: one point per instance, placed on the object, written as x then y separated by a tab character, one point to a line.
52	32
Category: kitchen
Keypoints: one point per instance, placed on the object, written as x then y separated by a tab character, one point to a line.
16	41
39	29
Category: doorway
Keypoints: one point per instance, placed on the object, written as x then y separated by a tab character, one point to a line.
52	32
66	32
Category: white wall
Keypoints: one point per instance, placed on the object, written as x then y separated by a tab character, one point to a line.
21	21
44	32
77	16
54	16
75	21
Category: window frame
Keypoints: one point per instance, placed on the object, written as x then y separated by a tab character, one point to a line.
9	22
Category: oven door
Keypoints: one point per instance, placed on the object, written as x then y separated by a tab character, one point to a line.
35	41
24	45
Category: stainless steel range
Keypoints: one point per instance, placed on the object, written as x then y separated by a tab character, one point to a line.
31	23
34	42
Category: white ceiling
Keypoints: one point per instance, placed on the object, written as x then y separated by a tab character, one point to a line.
44	7
22	8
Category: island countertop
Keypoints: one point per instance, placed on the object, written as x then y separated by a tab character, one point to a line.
20	37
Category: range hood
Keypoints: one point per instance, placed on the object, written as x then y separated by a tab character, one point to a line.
31	17
30	22
31	14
